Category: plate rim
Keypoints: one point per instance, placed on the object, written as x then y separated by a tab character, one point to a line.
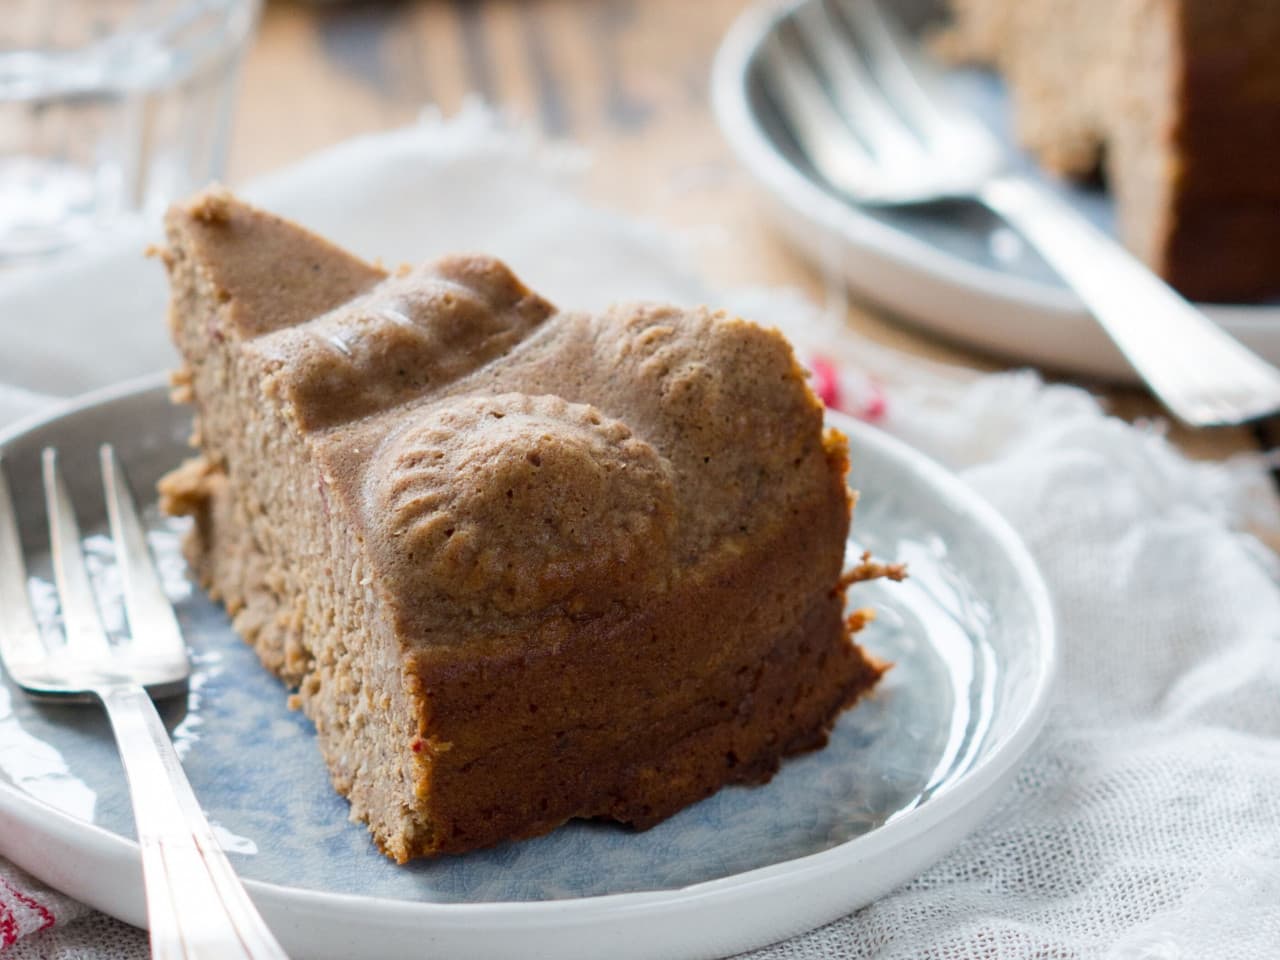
1003	297
634	908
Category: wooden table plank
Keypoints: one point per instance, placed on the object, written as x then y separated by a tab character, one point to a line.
629	78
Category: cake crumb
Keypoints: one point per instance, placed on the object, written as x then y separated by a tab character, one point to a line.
212	206
184	490
859	619
868	569
180	386
158	251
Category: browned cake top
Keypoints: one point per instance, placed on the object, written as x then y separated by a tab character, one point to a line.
505	463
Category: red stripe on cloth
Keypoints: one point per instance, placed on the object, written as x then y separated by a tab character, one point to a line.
826	382
877	404
8	927
47	918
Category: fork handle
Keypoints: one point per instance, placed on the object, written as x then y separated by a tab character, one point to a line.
1167	340
196	905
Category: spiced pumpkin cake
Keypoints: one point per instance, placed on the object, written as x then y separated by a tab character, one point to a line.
522	565
1177	102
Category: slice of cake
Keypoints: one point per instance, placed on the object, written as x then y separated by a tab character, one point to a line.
1177	102
521	565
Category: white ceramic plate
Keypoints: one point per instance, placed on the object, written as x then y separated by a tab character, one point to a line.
907	774
954	269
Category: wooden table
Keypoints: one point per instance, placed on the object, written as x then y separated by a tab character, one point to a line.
628	78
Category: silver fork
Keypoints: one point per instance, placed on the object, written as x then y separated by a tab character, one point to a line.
196	905
874	123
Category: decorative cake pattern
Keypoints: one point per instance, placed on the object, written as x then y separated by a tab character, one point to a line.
512	504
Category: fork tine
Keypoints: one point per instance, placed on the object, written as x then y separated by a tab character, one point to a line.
20	641
854	90
84	632
836	154
910	82
151	616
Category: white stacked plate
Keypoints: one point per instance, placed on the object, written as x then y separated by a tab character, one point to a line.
954	269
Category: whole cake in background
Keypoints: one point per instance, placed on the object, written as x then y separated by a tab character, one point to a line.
521	565
1177	102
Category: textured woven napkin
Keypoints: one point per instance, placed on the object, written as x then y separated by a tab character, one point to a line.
1146	822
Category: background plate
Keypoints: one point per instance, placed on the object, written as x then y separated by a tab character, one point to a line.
952	268
907	773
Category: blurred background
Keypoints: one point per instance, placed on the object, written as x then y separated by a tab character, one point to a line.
628	79
183	91
90	130
109	109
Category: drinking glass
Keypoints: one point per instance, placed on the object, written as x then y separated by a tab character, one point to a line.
109	109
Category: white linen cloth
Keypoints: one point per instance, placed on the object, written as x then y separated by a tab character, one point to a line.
1146	822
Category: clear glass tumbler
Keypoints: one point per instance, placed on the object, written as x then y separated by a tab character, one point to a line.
110	108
